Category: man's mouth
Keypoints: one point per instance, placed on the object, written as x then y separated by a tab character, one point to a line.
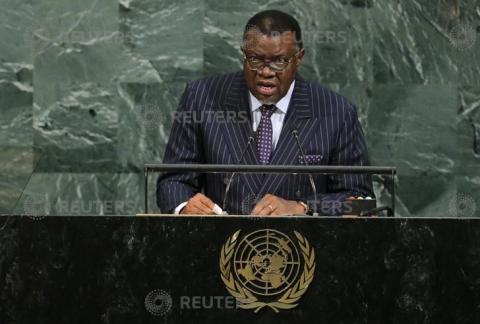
266	88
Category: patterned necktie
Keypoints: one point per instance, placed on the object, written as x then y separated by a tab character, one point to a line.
265	133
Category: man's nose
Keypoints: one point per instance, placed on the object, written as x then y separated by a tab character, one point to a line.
266	72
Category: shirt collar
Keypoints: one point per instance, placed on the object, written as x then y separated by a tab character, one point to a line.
282	104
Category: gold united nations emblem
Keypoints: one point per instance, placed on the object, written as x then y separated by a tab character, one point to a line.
267	269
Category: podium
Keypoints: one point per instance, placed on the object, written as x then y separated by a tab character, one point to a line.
177	269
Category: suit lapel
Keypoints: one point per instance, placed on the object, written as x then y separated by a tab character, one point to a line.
299	117
236	133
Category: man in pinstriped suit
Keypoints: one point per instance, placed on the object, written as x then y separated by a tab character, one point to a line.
252	117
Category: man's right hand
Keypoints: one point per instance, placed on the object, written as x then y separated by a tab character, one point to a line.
198	205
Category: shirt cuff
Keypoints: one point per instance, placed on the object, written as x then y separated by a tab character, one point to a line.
180	207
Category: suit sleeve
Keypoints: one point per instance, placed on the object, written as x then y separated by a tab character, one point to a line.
350	150
184	147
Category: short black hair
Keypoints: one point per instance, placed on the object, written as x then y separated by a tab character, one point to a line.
269	22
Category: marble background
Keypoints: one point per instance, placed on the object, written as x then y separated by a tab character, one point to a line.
87	89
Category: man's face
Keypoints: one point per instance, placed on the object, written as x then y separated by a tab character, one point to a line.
266	85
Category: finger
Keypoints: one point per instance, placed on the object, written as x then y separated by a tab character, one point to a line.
206	201
279	212
258	207
197	202
263	212
274	205
267	210
205	211
194	210
190	210
201	208
190	207
261	208
264	207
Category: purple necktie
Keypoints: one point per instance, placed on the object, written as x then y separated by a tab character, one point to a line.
264	134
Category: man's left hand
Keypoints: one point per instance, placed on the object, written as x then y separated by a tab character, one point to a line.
273	205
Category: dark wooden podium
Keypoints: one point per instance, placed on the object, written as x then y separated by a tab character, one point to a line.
168	269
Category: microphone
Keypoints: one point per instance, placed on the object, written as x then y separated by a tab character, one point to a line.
312	183
230	180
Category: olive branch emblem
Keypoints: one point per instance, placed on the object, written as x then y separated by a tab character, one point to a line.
246	299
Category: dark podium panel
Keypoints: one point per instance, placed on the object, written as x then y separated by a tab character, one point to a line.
167	269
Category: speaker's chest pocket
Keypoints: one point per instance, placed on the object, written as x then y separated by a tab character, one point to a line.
311	159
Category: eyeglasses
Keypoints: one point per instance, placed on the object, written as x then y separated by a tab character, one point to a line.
277	65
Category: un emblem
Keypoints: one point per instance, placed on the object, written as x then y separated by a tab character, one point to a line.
267	269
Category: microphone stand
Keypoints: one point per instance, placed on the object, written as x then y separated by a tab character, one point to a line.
230	180
312	183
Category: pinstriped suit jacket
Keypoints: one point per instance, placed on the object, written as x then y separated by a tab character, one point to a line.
213	123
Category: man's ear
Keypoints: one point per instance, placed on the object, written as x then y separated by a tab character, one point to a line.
300	55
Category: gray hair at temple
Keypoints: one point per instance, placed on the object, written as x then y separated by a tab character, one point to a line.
273	23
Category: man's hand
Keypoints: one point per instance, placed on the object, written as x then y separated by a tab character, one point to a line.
198	205
273	205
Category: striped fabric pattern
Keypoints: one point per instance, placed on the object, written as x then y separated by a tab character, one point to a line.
327	126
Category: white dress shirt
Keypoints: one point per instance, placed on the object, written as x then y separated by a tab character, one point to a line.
277	121
277	117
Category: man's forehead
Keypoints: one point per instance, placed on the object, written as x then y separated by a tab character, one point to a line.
279	40
288	35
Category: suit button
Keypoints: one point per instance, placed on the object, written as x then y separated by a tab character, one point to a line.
298	193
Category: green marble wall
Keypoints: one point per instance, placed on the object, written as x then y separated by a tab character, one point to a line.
87	88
